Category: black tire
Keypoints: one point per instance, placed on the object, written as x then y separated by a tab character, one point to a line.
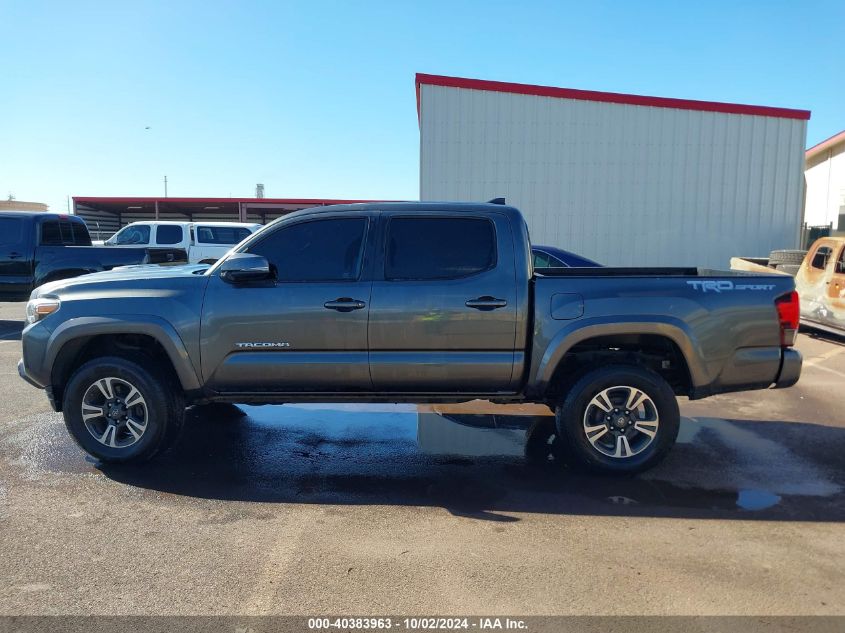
163	408
786	257
640	450
789	269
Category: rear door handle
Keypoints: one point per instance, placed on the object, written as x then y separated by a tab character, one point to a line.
345	304
486	303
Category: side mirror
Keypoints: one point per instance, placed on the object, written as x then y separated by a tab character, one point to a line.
240	268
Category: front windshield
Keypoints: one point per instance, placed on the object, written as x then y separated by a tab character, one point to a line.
128	235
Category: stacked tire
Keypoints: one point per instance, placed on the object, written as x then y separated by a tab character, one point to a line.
787	261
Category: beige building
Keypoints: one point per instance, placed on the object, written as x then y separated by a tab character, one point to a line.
20	205
824	171
625	180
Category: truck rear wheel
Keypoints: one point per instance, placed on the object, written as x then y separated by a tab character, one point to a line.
618	419
118	411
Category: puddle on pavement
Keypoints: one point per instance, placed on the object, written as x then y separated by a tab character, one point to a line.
471	464
756	499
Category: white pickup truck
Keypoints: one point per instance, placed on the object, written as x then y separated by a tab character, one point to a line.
205	242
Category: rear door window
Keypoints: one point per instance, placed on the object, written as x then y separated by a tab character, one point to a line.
168	234
423	248
64	233
221	235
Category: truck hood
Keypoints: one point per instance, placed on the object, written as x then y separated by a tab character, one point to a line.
127	279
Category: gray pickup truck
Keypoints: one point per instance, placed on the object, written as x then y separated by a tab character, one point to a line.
406	302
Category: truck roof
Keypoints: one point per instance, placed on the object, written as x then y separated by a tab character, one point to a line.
460	207
39	215
194	222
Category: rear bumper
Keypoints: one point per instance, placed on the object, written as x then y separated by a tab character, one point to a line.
753	368
790	369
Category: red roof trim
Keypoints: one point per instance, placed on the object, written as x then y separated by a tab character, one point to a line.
606	97
825	144
151	199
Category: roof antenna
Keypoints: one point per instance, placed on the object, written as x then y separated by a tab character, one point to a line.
497	201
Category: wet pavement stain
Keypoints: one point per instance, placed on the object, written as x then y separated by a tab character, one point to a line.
480	466
756	499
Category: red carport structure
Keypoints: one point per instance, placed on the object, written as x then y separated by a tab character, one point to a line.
105	215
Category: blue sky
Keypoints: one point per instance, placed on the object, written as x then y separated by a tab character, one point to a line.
316	99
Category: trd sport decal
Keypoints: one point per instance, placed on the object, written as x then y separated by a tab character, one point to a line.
726	286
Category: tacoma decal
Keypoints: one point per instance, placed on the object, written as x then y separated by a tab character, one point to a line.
262	345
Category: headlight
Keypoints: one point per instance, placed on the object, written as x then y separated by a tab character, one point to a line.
37	309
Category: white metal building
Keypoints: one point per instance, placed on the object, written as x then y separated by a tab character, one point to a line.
825	175
622	179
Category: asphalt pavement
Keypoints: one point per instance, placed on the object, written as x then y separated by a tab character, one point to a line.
395	509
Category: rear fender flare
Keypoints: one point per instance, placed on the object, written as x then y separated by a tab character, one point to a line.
584	329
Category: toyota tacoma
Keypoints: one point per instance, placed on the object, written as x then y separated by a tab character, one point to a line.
406	302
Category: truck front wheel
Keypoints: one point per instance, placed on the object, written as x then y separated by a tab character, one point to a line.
618	419
119	411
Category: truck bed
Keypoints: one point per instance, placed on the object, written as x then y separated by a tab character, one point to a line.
642	272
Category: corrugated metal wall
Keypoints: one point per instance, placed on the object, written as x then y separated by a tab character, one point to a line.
622	184
825	177
102	225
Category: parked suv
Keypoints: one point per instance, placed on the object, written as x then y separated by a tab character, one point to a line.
205	242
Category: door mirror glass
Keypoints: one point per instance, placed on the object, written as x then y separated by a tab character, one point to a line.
241	268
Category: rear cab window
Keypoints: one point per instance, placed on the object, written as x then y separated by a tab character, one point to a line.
424	248
64	233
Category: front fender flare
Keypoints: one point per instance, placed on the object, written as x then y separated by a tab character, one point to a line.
150	325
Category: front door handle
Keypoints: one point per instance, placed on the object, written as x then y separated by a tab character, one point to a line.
15	255
345	304
486	303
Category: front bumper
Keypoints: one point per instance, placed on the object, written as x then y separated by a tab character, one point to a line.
51	396
22	374
790	369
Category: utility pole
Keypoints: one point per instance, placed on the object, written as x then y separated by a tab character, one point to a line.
165	186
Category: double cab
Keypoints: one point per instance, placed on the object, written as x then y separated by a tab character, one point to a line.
407	302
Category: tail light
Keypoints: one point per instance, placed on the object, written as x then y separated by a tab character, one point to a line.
789	313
